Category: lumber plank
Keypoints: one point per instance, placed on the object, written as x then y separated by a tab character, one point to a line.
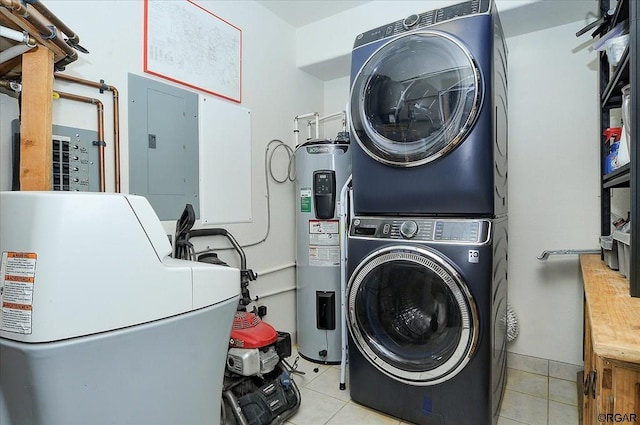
36	120
613	314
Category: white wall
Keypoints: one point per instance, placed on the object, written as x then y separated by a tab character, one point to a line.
553	158
324	47
335	99
332	37
553	183
553	186
273	88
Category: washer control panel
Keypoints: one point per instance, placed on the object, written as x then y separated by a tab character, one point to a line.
408	229
422	229
415	21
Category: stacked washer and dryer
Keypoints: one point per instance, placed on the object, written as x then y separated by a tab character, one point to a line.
427	245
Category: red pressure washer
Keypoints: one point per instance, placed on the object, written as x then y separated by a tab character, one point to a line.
258	387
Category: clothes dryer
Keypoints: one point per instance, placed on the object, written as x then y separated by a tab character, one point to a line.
426	302
428	109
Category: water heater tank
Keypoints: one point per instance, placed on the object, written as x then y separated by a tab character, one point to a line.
322	168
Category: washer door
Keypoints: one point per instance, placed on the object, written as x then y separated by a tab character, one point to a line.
411	315
415	99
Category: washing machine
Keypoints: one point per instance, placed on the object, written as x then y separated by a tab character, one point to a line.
428	110
426	303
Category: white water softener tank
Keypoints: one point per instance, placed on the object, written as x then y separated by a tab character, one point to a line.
99	325
322	168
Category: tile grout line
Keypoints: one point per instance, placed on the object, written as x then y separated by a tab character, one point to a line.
548	399
530	395
338	411
514	420
549	378
327	395
549	384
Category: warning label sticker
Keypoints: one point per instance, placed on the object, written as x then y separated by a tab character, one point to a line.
324	256
324	227
324	243
17	277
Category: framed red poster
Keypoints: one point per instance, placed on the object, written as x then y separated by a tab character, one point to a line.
187	44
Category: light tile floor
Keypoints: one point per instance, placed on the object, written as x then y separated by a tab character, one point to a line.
538	394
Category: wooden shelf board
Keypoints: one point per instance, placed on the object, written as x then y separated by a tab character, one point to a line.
614	315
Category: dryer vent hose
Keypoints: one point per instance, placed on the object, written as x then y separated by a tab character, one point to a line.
513	328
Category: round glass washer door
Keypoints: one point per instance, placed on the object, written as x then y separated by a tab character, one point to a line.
415	99
411	315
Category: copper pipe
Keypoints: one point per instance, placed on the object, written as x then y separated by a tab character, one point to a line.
7	88
72	36
34	19
116	117
100	140
15	6
45	31
116	136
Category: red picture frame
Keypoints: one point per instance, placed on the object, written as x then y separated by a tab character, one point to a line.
189	45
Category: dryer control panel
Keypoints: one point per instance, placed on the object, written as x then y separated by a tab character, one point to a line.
422	229
416	21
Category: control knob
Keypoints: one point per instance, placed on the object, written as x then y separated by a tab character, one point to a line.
408	229
410	21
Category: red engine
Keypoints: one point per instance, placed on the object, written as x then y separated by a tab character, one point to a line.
249	331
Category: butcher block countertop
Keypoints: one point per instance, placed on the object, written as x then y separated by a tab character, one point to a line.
613	314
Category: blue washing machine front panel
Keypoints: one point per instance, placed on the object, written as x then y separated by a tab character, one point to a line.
428	112
426	302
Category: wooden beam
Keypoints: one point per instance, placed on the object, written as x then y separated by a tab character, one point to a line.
36	119
25	25
10	67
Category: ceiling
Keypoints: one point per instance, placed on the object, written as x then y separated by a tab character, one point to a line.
518	16
299	13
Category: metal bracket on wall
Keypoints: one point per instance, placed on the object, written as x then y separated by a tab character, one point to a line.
546	254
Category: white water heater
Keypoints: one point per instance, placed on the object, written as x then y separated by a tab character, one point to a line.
322	168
